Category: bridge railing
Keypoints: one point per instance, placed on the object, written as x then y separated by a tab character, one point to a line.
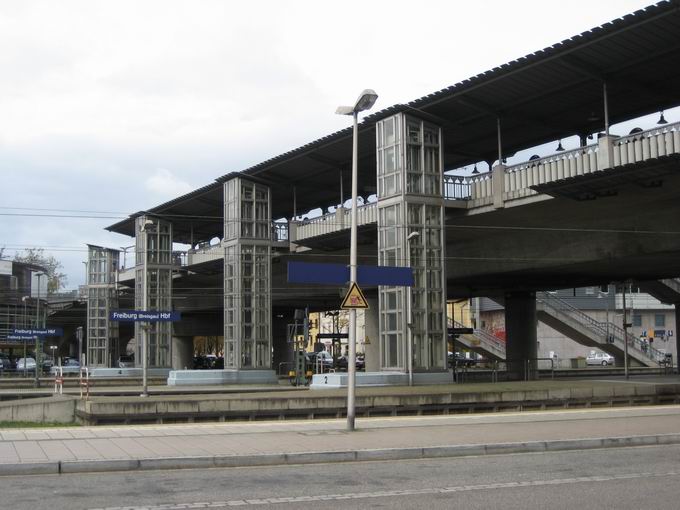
457	187
335	221
520	177
280	231
649	144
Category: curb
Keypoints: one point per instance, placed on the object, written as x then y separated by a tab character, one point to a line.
280	459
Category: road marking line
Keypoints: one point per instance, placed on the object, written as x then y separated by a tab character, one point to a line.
395	493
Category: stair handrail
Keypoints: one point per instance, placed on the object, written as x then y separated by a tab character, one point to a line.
610	331
483	335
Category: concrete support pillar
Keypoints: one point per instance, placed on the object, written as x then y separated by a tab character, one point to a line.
340	216
498	185
372	335
182	352
520	333
677	338
282	357
605	152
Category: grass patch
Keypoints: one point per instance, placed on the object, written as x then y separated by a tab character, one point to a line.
34	425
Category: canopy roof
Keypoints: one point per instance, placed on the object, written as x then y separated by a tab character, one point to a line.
553	93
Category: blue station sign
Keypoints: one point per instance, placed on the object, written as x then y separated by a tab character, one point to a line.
21	333
144	316
338	274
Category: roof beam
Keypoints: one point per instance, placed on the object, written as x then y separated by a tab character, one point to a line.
576	64
325	160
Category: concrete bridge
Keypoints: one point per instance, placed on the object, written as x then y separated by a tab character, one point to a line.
595	214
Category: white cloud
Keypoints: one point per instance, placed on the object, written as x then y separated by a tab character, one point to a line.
165	185
98	97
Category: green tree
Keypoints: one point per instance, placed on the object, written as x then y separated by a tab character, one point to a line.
55	278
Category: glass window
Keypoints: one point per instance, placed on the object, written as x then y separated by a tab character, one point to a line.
659	320
389	131
637	320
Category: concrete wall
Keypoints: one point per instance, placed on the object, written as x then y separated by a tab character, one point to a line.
39	410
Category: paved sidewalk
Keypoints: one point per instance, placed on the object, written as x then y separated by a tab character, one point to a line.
80	449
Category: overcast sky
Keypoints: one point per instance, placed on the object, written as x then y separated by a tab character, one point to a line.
117	106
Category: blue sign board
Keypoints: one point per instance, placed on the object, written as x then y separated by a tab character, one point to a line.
32	332
144	316
338	274
19	338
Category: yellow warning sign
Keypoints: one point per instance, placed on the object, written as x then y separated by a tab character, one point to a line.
354	299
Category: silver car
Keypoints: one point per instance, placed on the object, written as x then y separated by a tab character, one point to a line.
600	358
27	363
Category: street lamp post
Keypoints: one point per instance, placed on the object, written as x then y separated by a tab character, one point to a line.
365	101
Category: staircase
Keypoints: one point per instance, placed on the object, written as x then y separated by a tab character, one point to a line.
480	341
608	337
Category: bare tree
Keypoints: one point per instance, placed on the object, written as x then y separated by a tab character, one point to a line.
55	278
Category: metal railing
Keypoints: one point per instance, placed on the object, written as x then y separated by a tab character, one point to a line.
487	341
280	231
530	369
611	333
457	187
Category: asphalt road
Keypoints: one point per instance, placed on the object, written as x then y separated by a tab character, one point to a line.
622	478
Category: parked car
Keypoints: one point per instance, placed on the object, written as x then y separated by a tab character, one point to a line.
359	363
459	359
126	361
68	366
320	360
663	358
7	363
600	358
47	364
26	363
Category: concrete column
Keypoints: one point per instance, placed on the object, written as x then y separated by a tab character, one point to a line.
182	352
605	152
498	185
677	338
520	332
282	356
372	332
340	216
